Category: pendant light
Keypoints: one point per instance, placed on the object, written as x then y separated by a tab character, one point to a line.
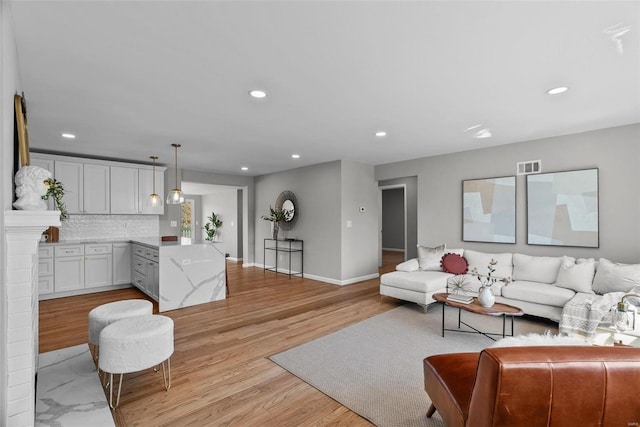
175	196
154	200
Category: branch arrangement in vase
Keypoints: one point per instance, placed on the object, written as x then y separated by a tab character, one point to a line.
488	280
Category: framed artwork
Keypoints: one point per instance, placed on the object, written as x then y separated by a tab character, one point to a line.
489	210
562	209
21	129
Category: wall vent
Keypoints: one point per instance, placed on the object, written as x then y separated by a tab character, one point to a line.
528	167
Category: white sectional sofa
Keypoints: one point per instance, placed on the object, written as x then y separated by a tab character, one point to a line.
541	286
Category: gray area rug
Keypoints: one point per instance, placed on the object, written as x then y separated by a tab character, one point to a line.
374	367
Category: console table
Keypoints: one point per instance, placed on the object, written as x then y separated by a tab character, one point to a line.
287	246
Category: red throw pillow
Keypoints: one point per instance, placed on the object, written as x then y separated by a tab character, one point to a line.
454	264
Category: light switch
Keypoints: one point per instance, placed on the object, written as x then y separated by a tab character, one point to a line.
349	224
174	223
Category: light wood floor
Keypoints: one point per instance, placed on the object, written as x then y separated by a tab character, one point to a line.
220	368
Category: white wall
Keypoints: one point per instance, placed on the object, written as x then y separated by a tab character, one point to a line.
225	204
615	151
9	85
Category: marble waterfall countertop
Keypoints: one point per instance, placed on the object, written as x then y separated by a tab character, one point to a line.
152	241
191	274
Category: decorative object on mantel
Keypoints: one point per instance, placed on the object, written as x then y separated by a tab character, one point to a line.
21	129
175	196
154	199
212	226
31	188
276	216
287	203
486	298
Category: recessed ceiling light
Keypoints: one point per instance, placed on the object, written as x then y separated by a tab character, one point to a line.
557	90
244	168
381	133
295	156
68	135
483	133
256	93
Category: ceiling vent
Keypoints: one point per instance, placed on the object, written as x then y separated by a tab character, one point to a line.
529	167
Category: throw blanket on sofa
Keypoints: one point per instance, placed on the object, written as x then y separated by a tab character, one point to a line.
584	312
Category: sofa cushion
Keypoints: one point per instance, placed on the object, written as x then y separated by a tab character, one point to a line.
418	281
543	269
429	258
409	266
480	261
615	277
454	264
539	293
576	275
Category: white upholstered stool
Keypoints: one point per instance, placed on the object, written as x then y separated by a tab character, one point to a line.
135	344
106	314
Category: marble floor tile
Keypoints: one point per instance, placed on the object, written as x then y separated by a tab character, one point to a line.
68	392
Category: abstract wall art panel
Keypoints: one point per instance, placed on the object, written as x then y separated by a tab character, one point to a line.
489	210
562	208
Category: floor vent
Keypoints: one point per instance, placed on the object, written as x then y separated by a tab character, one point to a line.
529	167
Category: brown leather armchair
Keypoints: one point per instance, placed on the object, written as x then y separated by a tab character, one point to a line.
536	386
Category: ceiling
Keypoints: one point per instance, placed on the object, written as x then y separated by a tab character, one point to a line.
129	78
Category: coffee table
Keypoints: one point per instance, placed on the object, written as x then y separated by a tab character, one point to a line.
498	309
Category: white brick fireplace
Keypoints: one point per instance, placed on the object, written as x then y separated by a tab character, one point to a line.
22	234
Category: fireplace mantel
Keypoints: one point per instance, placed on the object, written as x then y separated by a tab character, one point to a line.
22	232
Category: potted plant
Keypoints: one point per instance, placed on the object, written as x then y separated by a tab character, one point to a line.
56	190
276	216
212	226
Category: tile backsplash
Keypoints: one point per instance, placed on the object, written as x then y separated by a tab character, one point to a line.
80	227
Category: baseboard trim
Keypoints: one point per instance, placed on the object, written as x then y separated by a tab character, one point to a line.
393	250
234	259
326	279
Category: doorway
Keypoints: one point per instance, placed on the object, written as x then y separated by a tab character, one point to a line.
393	220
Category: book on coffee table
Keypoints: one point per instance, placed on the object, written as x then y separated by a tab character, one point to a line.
464	299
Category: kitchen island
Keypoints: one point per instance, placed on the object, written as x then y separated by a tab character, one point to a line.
174	274
185	274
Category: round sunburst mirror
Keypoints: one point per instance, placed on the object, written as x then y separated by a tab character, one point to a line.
288	203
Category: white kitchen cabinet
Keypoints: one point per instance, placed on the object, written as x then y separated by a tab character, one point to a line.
145	270
96	189
145	188
70	174
124	190
68	267
86	187
121	263
98	265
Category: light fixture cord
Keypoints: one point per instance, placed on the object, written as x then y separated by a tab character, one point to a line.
176	167
154	176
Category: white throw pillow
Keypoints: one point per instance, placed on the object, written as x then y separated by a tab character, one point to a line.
429	258
481	260
615	277
409	266
543	269
576	275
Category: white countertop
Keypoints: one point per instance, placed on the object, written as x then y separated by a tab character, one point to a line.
152	241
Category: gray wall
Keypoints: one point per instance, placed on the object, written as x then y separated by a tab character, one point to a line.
359	254
411	193
393	218
317	189
615	151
